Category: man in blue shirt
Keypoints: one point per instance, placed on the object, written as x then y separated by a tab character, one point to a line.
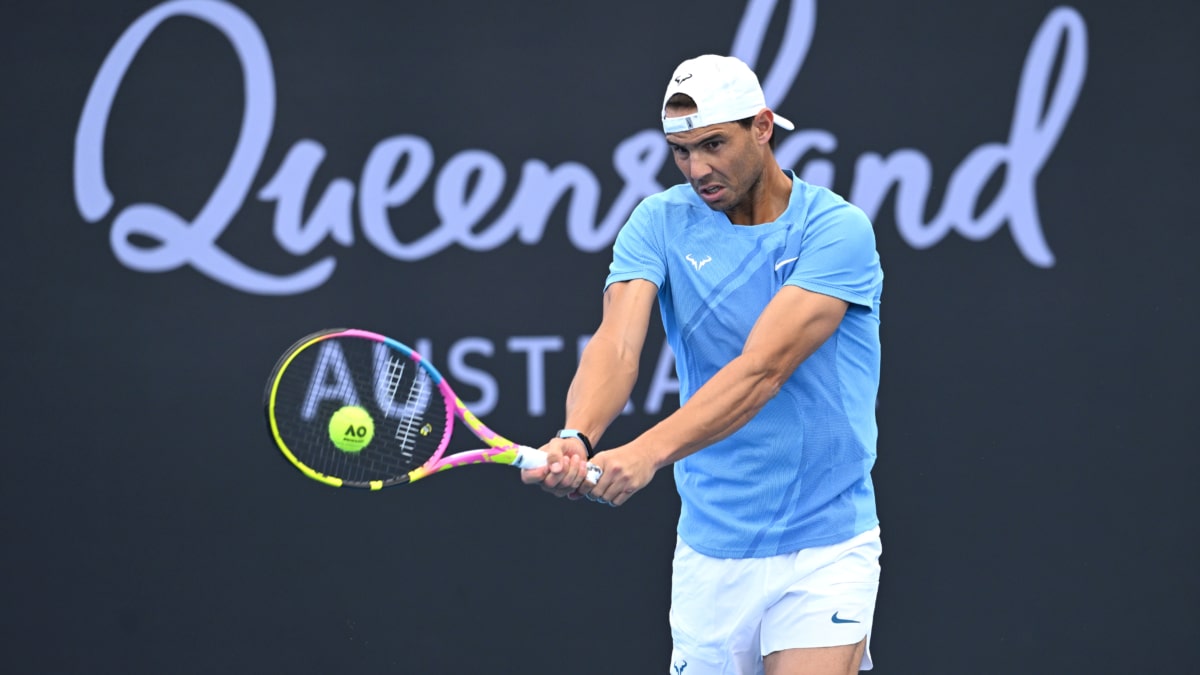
769	292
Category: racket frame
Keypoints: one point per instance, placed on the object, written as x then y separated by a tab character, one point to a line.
500	450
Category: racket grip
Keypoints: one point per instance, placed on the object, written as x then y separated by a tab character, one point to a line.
532	458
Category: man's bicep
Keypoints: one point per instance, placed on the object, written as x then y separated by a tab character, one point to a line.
627	308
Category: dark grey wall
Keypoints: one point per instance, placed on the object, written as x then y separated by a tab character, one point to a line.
1038	433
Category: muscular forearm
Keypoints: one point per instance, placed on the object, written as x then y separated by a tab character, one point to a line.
601	387
722	406
608	367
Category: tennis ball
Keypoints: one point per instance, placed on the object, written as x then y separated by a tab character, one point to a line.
351	428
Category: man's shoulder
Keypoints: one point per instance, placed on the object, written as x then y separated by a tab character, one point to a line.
813	193
822	203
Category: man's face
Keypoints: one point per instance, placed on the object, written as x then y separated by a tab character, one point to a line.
722	162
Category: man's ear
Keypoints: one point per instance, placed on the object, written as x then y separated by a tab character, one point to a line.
763	124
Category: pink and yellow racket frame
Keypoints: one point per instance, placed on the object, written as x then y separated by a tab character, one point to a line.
500	450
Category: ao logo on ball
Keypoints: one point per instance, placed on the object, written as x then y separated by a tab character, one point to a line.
351	428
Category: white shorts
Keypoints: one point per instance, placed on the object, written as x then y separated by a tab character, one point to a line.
726	614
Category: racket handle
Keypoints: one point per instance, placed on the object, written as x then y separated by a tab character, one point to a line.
532	458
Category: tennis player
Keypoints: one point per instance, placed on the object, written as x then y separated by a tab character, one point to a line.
769	292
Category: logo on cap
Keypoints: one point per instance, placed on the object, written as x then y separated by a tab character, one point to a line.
679	80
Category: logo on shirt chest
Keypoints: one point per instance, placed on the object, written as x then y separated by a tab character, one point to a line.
781	263
698	263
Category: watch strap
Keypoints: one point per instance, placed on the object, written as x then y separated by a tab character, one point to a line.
575	433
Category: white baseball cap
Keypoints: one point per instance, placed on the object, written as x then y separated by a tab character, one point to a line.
724	89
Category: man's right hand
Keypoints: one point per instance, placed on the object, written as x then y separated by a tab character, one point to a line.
565	470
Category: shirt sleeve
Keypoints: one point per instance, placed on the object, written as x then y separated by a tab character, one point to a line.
638	250
838	257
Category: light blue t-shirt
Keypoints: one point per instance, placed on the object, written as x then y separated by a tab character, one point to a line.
799	473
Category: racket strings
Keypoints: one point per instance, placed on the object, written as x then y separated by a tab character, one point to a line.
409	427
408	414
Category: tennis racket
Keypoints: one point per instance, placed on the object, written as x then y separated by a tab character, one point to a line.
351	408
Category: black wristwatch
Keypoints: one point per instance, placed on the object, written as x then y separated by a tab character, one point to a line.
575	433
